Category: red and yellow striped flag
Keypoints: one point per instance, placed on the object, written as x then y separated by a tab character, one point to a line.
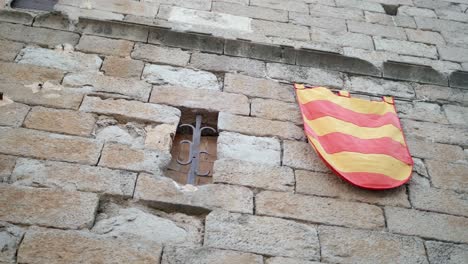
360	140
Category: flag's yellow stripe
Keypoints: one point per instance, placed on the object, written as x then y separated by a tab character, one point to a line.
354	104
370	163
327	124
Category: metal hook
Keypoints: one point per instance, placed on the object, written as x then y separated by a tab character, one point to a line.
190	158
206	173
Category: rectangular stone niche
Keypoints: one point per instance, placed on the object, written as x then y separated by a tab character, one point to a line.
181	151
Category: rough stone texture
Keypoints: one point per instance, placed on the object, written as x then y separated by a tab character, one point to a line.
453	54
131	110
301	155
342	38
448	175
40	36
427	225
380	87
57	246
202	255
428	37
276	110
262	235
112	29
343	245
281	260
456	114
439	252
322	184
256	87
7	163
211	101
319	210
188	78
165	191
376	30
119	156
10	50
122	67
42	145
159	137
109	85
14	16
63	60
406	47
106	46
421	111
430	150
249	148
219	63
435	132
250	11
73	177
27	74
255	175
159	54
437	200
60	121
280	29
10	238
306	75
257	127
435	93
44	207
13	114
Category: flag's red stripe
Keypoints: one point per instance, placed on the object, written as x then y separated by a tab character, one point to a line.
373	181
338	142
320	108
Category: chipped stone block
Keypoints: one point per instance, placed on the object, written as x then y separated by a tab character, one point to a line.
122	67
113	29
164	55
388	20
17	17
188	78
261	235
53	20
416	11
256	127
221	63
306	75
346	245
448	175
60	121
73	177
321	184
459	79
180	255
164	192
439	252
300	155
319	210
249	148
256	87
45	207
131	110
10	238
63	60
437	200
43	145
255	175
441	94
186	40
58	246
109	85
413	72
28	74
7	164
376	86
12	114
9	50
39	36
160	137
109	130
120	156
207	100
105	46
145	9
428	225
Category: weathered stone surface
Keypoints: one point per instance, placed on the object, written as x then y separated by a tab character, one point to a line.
342	38
300	155
439	93
57	246
256	87
249	148
250	11
165	55
304	74
45	207
211	101
322	184
344	245
122	67
376	30
426	149
277	4
319	210
448	175
242	48
427	225
270	28
159	137
256	127
363	5
7	163
439	200
421	111
42	145
456	114
165	191
63	60
406	47
337	24
131	110
439	252
106	46
416	11
375	86
425	37
220	63
329	11
17	17
188	78
73	177
281	260
145	9
76	12
276	110
10	238
40	36
253	175
453	54
388	20
12	114
9	50
459	78
61	121
28	74
113	29
435	132
109	85
119	156
202	255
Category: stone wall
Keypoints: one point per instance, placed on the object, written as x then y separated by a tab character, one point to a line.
88	106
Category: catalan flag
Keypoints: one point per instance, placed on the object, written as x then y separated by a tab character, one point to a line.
360	140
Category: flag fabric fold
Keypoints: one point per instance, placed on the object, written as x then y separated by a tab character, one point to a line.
360	140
